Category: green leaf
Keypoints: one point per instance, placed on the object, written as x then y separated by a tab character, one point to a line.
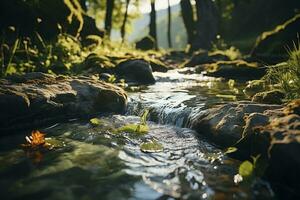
255	159
246	169
134	128
230	150
95	121
151	147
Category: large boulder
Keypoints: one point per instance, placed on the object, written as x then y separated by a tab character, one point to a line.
271	131
146	43
138	71
225	124
238	69
36	99
205	57
271	46
269	97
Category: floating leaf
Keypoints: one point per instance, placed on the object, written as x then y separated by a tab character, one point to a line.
134	128
151	147
230	150
95	121
246	169
36	139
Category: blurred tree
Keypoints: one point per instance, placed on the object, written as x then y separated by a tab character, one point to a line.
188	19
124	21
207	24
108	16
152	25
169	24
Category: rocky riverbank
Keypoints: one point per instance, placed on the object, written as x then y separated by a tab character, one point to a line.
37	99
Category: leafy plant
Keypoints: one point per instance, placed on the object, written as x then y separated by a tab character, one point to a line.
140	128
287	75
249	170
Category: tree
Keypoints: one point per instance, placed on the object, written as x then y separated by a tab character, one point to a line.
188	19
152	25
108	16
124	21
207	24
169	24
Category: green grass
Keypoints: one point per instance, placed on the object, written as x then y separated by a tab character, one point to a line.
287	75
65	55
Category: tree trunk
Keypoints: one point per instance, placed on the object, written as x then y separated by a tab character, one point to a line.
152	26
207	24
188	19
108	16
123	28
83	5
169	24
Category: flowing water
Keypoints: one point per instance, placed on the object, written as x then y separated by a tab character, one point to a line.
92	162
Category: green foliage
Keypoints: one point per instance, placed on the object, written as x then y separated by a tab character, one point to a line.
287	75
95	121
112	79
250	170
230	150
97	10
246	169
151	147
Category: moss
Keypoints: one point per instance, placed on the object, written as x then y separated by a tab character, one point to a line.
151	147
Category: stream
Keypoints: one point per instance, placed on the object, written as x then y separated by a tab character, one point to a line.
91	162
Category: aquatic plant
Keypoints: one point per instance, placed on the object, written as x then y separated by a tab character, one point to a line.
140	128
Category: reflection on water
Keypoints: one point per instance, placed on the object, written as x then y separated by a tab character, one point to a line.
95	163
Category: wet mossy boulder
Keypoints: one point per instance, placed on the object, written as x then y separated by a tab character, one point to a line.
135	70
254	87
34	99
271	45
225	124
269	97
271	131
238	69
204	57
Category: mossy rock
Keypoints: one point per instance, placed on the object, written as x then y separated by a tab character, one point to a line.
146	43
271	45
254	87
98	64
238	69
269	97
